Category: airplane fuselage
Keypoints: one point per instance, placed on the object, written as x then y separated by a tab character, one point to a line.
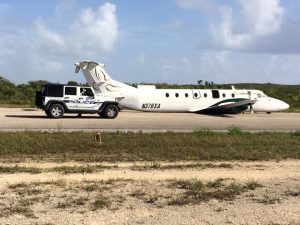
193	100
148	98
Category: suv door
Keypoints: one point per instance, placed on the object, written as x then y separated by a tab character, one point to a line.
70	97
87	100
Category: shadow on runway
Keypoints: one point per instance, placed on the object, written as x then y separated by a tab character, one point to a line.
45	117
30	110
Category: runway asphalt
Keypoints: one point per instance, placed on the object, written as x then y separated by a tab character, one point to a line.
14	119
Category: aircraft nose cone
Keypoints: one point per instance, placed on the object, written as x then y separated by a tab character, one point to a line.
284	106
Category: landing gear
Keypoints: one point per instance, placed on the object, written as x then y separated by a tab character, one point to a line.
268	112
251	109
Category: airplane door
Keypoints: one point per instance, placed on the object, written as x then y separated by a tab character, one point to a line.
196	94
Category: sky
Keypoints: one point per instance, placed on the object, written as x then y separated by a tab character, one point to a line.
173	41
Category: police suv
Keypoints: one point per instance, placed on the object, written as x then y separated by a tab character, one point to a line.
57	99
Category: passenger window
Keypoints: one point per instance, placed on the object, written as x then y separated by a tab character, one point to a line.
186	95
215	94
167	95
205	95
86	92
70	91
233	95
224	95
195	95
177	95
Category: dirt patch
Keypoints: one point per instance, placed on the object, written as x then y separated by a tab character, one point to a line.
159	193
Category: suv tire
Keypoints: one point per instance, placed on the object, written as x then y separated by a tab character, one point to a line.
48	113
110	112
56	111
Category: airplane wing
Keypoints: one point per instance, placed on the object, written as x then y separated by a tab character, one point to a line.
225	105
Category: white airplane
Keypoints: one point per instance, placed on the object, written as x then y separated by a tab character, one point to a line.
148	98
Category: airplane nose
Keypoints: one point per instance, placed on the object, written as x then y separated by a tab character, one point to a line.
284	105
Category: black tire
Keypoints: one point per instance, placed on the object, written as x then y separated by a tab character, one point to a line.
110	112
48	113
56	111
268	112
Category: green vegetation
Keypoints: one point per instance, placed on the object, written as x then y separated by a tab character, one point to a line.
24	94
196	191
169	146
158	166
252	185
19	169
79	169
20	94
101	202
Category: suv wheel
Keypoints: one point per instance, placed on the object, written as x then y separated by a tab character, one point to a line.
56	111
48	113
110	112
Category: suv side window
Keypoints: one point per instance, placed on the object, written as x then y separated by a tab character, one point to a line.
70	91
86	92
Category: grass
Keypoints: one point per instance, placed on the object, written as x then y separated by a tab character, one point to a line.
158	166
118	146
294	192
60	169
296	134
2	105
252	185
79	169
19	169
101	202
72	202
196	191
233	130
267	199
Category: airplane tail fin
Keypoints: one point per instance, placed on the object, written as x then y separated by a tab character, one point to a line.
97	77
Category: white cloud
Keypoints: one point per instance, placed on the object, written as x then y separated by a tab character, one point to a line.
91	32
241	30
95	30
263	17
42	50
50	37
243	24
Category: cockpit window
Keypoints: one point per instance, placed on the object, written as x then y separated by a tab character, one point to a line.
259	95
